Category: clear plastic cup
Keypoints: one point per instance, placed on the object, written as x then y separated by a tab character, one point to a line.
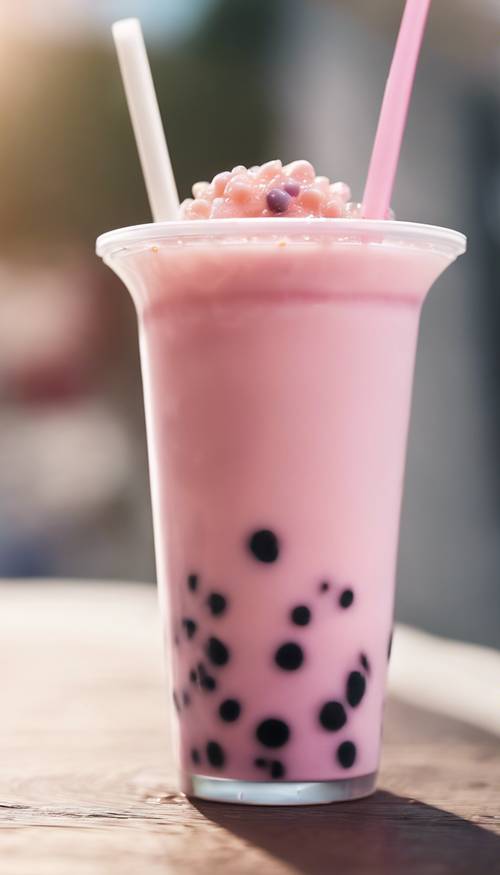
278	359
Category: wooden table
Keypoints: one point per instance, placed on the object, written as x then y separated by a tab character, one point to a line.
86	782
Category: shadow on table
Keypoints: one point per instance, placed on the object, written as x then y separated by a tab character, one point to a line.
383	834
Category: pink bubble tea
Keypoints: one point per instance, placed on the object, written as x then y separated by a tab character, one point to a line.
278	358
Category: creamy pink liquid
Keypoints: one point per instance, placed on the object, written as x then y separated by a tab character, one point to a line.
278	382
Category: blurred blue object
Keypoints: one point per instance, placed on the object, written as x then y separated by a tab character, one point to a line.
24	557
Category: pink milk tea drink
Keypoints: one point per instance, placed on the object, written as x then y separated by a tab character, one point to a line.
278	358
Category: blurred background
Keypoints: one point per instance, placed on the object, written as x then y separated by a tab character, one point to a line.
239	82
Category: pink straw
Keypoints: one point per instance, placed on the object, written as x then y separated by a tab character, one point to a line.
392	122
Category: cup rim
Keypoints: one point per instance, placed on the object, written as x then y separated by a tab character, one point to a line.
368	231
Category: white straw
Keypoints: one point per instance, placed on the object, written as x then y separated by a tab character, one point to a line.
146	119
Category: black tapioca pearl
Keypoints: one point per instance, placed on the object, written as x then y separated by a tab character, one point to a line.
301	615
230	710
346	598
193	676
389	646
273	732
277	769
215	755
217	651
356	686
264	545
365	662
346	754
192	582
206	681
324	586
189	626
186	698
195	756
289	656
332	716
217	603
176	702
260	763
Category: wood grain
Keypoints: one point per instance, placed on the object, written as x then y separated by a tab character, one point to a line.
87	786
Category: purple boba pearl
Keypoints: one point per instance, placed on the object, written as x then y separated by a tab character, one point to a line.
278	201
292	188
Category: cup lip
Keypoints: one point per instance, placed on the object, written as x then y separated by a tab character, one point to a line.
375	231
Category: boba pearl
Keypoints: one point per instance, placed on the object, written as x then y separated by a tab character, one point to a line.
310	199
292	187
264	545
303	171
217	603
223	208
219	182
269	170
356	686
207	682
289	656
217	651
239	190
323	183
341	190
199	189
346	754
333	208
190	627
278	201
192	582
200	209
332	716
277	769
301	615
346	598
186	208
229	710
273	732
215	755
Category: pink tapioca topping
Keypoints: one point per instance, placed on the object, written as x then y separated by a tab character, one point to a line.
293	190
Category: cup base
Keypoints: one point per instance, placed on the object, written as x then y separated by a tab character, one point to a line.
278	793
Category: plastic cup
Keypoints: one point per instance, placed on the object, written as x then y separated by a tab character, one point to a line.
278	359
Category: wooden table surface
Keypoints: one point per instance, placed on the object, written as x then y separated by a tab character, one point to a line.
86	783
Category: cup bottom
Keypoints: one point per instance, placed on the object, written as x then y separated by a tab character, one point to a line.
278	793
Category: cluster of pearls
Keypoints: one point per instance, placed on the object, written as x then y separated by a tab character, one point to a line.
292	190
